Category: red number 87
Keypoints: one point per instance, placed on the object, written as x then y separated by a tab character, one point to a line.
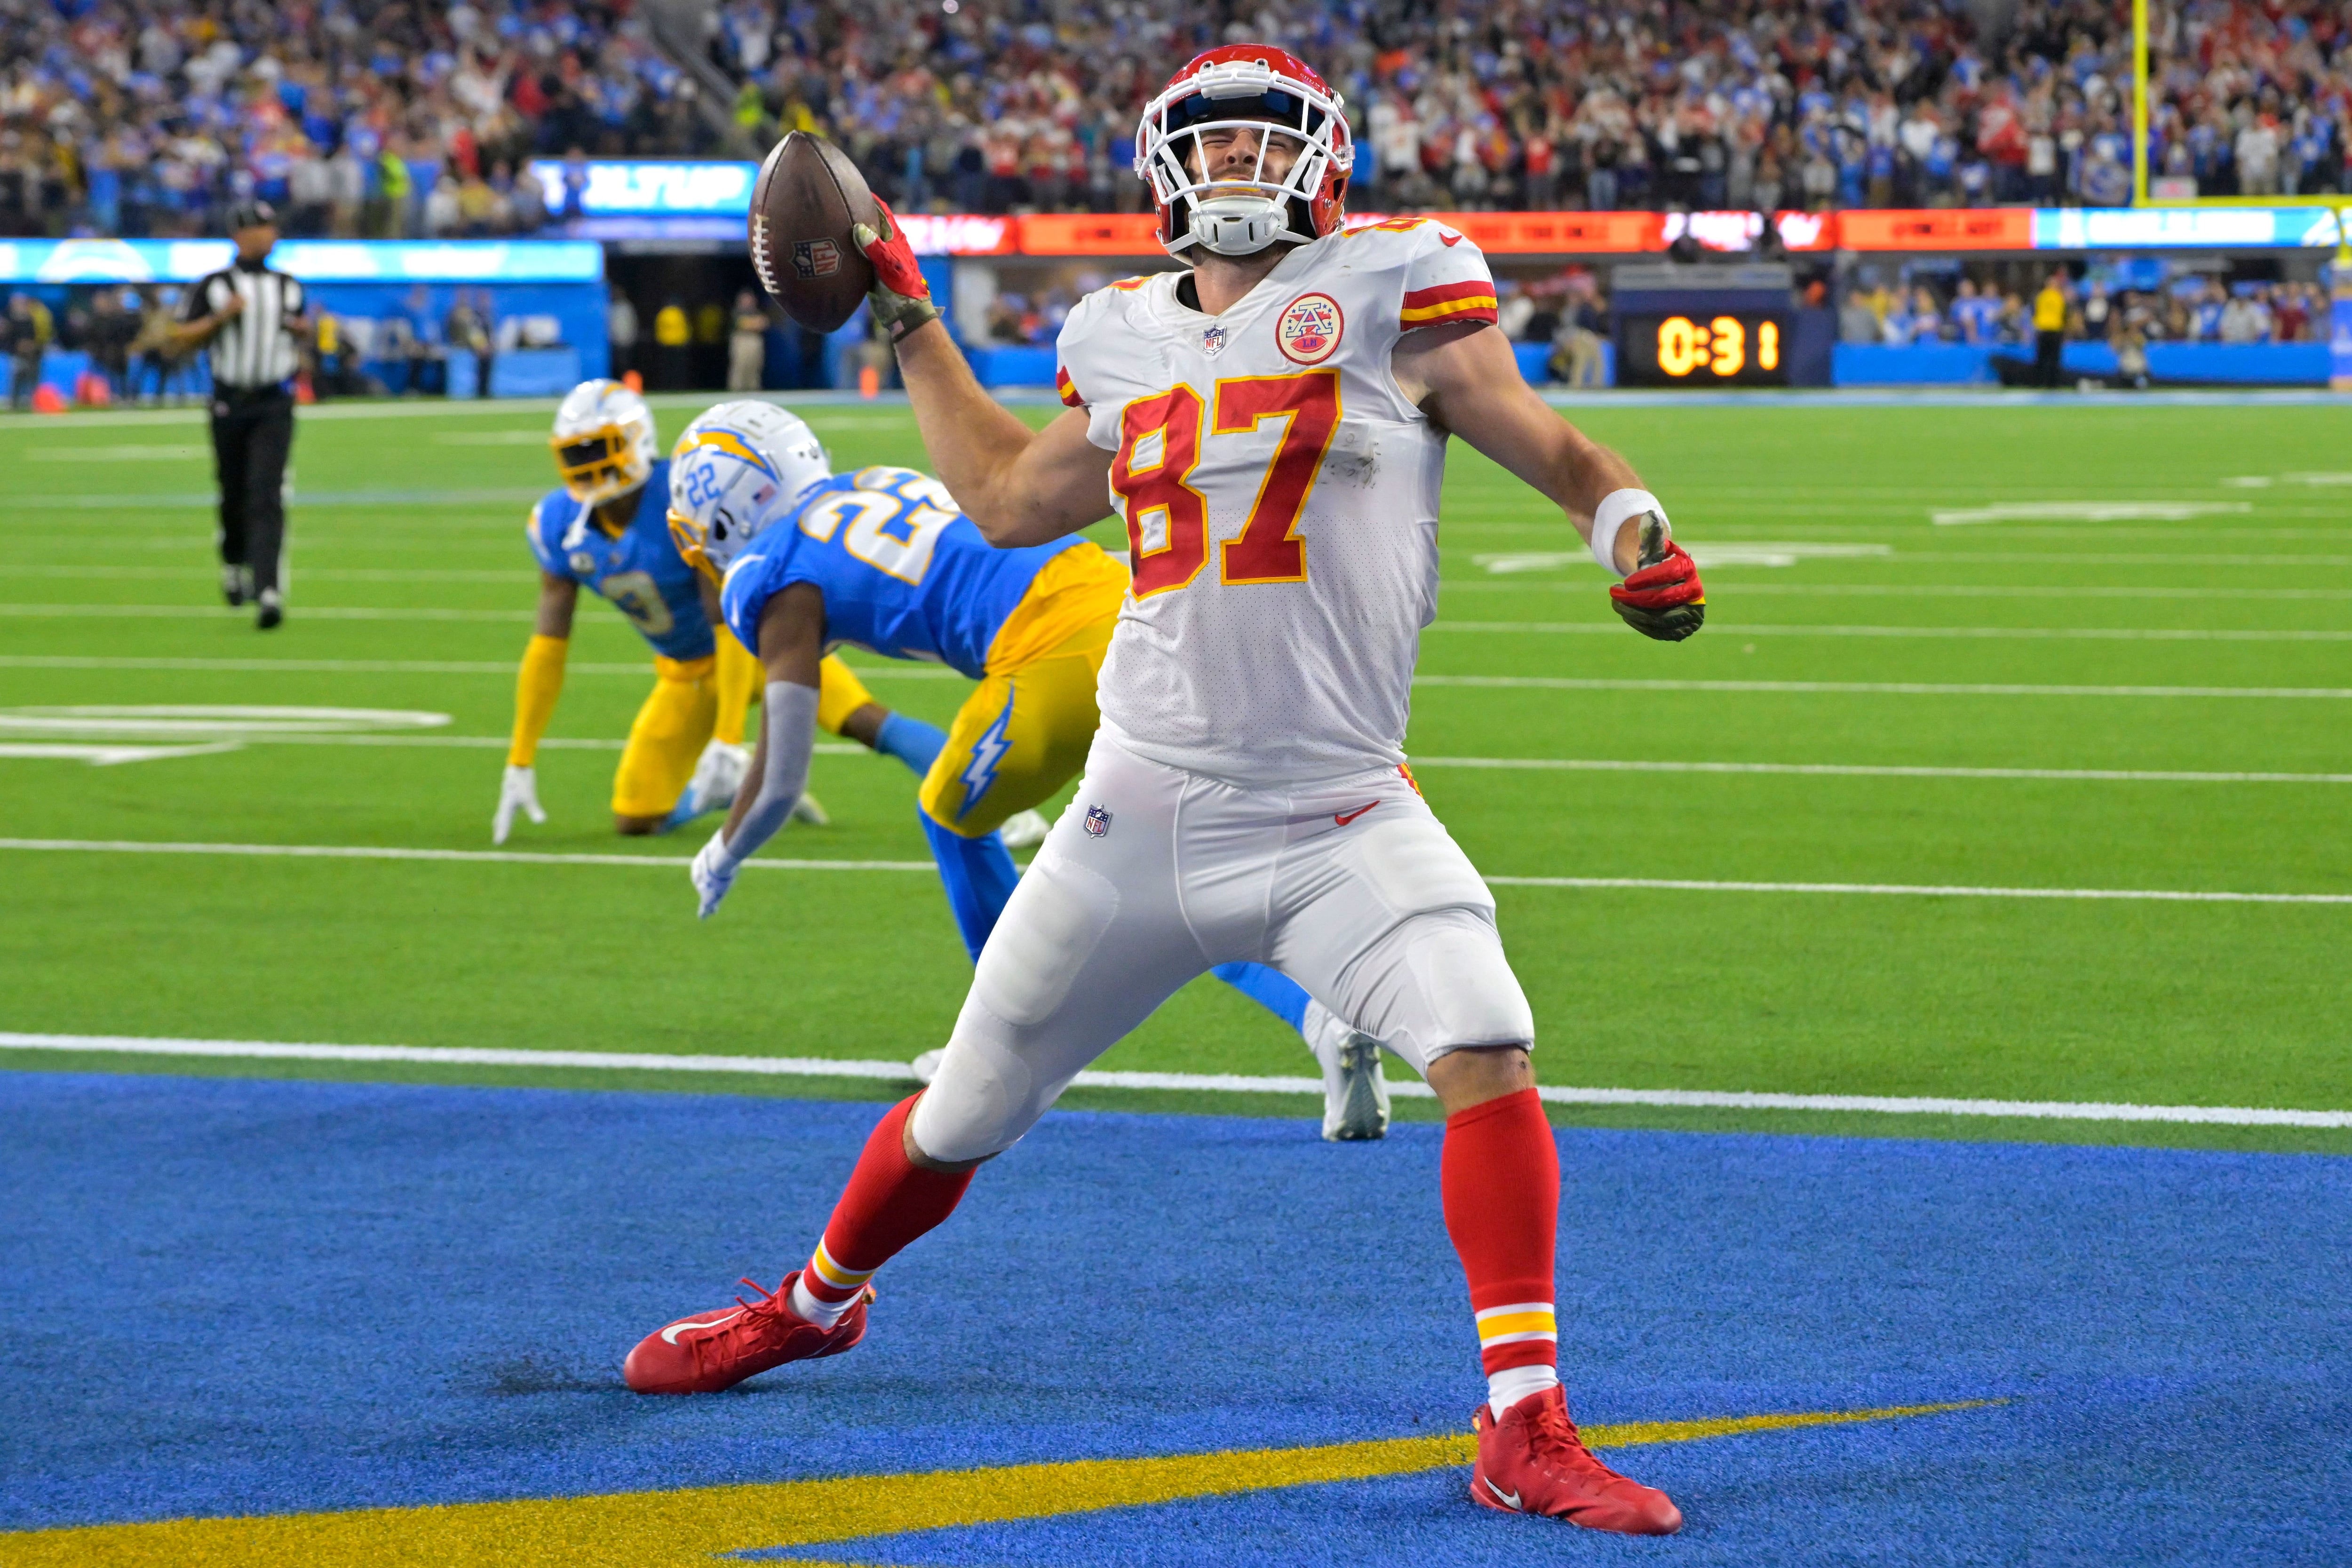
1168	519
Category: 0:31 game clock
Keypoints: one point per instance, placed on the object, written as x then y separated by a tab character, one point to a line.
1737	348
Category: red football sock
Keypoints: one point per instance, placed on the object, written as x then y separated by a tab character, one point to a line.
1500	1175
888	1203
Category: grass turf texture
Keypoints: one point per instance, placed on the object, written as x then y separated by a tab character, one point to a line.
2154	1004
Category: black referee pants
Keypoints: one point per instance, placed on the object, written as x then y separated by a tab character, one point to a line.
253	434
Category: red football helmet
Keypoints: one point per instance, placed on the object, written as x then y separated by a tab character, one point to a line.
1254	86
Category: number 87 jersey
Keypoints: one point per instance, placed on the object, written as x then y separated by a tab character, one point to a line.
1280	497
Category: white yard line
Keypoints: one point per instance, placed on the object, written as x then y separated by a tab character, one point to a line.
1545	765
1741	588
1857	770
1786	629
1662	884
218	612
1910	889
310	574
394	852
1871	688
1211	1083
911	672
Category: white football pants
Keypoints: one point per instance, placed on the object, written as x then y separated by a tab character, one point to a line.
1351	888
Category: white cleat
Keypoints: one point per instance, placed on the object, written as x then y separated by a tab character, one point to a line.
1355	1094
926	1066
806	809
1024	829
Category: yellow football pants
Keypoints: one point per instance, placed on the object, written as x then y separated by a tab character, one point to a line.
677	719
1024	733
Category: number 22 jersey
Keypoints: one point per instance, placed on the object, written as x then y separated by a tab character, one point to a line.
903	572
1280	497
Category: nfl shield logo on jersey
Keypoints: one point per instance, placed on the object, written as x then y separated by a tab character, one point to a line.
1097	822
582	563
816	258
1213	339
1308	328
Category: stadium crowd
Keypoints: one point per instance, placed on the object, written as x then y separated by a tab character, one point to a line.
381	118
412	117
979	106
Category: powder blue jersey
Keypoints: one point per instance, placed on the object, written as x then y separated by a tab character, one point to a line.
904	573
641	571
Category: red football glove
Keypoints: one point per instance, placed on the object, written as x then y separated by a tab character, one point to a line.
1666	600
900	298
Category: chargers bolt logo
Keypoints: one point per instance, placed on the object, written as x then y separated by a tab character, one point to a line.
1097	822
1308	328
816	258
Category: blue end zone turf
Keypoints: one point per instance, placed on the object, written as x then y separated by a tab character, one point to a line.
223	1296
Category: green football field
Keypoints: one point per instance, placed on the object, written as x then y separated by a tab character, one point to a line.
1977	682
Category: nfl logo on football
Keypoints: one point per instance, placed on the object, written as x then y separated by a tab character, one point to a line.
1213	339
1308	328
1097	822
816	258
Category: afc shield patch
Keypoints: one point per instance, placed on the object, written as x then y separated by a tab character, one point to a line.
816	258
1309	330
1097	822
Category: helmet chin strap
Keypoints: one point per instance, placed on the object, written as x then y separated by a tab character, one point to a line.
1239	225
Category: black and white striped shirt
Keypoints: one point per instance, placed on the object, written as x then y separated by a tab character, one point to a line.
254	349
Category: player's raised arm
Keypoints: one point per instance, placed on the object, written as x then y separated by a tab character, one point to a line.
1019	486
1467	379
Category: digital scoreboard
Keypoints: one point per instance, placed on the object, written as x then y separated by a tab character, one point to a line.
1730	348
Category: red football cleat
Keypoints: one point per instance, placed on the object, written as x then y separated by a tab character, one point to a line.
718	1349
1532	1461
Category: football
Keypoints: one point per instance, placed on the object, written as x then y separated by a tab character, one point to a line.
808	194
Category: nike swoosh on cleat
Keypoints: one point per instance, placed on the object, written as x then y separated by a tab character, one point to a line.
1345	817
669	1335
1509	1499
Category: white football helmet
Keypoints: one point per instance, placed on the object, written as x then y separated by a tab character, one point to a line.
604	442
734	467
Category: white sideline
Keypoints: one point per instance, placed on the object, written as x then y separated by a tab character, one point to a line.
1225	1083
909	671
1655	884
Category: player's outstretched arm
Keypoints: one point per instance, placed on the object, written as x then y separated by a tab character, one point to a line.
538	684
1019	486
1465	378
791	648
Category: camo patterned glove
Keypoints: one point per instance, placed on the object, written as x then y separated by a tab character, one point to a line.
900	298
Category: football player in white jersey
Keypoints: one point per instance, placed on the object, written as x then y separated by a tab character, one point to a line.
1271	424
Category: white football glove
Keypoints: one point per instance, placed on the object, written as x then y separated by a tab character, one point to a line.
714	873
716	776
518	790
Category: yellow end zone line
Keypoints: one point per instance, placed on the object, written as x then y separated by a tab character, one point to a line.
642	1529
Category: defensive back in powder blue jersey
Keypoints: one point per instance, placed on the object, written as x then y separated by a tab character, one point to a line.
641	571
904	573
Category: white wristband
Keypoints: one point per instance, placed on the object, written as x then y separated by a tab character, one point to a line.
1611	515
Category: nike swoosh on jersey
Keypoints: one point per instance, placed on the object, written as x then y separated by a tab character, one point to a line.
1345	817
669	1335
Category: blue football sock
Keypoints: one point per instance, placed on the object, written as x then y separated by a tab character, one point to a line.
910	740
1277	993
979	875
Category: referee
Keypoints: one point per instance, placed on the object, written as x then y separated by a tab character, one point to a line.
252	319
